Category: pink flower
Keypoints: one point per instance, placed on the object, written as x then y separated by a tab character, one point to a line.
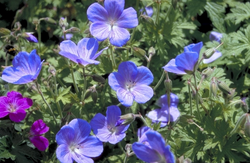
14	105
37	129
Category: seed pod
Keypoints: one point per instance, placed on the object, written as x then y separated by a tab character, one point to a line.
139	51
151	51
4	31
98	78
208	53
94	96
223	87
63	22
247	126
240	123
213	86
73	30
49	20
207	72
168	85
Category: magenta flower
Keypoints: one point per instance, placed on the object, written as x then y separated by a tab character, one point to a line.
83	53
14	105
105	128
111	20
131	83
37	129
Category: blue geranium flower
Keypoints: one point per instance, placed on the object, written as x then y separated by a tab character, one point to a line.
83	53
151	148
162	114
105	127
111	20
30	37
75	143
26	68
131	83
214	36
185	62
149	11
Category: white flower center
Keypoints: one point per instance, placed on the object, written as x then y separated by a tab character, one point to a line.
12	108
129	85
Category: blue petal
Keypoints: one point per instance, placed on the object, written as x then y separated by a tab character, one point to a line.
21	62
194	48
92	147
149	11
37	71
156	141
128	19
34	61
169	156
82	129
114	8
145	153
65	135
144	76
114	138
119	36
70	56
163	100
142	93
142	130
99	53
63	154
125	97
100	30
86	62
116	81
87	47
215	56
113	114
24	79
97	13
31	38
69	47
187	60
215	36
171	67
128	70
12	75
121	129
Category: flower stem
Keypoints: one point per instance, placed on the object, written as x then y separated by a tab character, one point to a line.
57	103
190	98
196	97
6	59
41	93
159	82
112	57
74	81
39	35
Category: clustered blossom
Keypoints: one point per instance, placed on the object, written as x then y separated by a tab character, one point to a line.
111	20
185	62
151	148
105	127
14	105
37	129
83	53
131	83
214	36
75	143
165	112
26	68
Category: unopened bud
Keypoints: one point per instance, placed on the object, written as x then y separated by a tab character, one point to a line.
87	93
223	87
240	123
139	51
29	37
94	96
49	20
208	53
125	119
245	102
98	78
73	30
247	126
148	19
232	94
207	72
168	85
151	51
52	70
87	31
63	22
213	86
4	31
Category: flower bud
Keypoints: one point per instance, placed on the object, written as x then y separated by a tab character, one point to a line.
49	20
125	119
17	25
4	31
213	86
73	30
87	93
247	126
240	123
148	19
223	87
28	36
151	51
168	85
245	102
207	72
94	96
139	51
52	70
63	22
232	94
98	78
208	53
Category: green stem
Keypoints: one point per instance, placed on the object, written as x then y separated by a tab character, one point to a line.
39	35
127	54
6	59
159	82
19	45
74	81
196	96
41	93
148	64
84	91
190	99
112	57
57	103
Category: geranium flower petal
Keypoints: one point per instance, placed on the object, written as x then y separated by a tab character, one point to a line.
156	141
215	56
34	61
4	104
97	13
187	60
215	36
119	36
21	62
171	67
163	100
92	147
125	97
142	93
128	19
145	153
113	114
17	116
24	79
86	61
144	76
66	135
24	103
116	81
114	8
116	138
39	127
99	53
128	70
82	129
194	48
100	30
169	155
40	142
87	47
70	56
63	154
69	47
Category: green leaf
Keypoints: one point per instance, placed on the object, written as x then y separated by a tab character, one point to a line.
240	13
62	95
